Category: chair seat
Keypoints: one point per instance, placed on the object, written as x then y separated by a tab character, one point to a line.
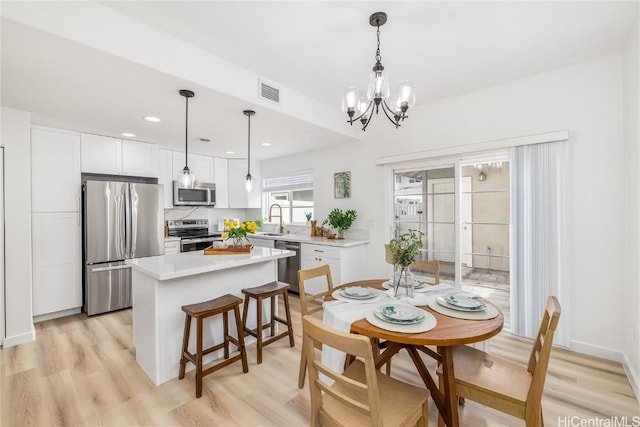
212	307
398	399
266	291
478	370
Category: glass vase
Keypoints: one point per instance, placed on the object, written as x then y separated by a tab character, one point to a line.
403	282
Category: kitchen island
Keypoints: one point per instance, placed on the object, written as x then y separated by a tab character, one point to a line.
161	285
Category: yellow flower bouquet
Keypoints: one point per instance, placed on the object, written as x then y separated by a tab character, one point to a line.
238	231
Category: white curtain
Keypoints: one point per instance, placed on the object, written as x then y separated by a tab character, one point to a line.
540	262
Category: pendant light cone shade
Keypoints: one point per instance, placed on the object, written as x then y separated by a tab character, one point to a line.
186	178
248	181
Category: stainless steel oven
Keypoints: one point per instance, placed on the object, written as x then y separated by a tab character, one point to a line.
194	234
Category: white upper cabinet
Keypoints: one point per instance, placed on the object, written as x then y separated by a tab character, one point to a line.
101	154
55	171
167	176
114	156
139	158
220	171
202	166
198	164
238	198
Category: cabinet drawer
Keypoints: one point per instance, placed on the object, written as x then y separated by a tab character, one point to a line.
321	251
172	247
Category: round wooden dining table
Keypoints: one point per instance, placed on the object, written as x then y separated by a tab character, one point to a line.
448	332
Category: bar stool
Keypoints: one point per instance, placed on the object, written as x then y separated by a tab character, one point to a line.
200	311
270	290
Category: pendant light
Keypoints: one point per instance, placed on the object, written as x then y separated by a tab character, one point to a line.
248	181
186	178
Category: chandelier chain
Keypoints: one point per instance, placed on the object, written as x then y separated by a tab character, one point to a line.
378	56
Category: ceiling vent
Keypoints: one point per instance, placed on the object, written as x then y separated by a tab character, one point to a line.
269	92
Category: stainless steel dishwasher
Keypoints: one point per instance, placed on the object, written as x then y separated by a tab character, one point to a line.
288	267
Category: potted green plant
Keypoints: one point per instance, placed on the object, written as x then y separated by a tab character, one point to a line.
342	220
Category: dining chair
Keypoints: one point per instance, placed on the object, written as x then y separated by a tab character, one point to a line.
502	384
310	304
360	396
427	265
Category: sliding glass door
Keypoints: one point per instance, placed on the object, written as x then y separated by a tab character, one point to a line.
463	209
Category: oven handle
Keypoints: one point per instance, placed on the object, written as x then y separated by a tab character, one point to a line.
201	240
117	267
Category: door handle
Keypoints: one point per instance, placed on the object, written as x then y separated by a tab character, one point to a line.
117	267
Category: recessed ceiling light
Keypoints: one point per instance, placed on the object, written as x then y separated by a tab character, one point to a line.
229	152
151	119
128	134
266	144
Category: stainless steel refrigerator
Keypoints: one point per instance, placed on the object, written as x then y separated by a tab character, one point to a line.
122	220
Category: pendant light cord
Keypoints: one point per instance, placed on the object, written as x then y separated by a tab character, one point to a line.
249	144
186	132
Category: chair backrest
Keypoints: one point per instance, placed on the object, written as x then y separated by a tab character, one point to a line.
307	275
354	395
541	351
431	265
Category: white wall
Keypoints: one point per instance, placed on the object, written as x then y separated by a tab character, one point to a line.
631	63
17	162
586	99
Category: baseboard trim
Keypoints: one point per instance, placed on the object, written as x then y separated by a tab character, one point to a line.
19	339
57	314
598	351
634	380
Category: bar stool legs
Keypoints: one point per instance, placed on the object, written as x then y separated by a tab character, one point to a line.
222	305
270	290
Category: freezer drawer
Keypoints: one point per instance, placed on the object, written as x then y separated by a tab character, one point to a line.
108	287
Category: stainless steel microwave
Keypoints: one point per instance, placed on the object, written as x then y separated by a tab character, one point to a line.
202	194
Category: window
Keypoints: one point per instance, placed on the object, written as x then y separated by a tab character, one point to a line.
293	193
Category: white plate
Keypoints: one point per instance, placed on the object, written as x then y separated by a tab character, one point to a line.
418	284
429	322
399	313
464	302
357	292
443	302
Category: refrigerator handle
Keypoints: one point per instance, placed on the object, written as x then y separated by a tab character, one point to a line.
127	221
133	222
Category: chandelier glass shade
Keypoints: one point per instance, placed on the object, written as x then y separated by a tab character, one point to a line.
186	178
361	106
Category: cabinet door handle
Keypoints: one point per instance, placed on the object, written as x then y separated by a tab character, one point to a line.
78	204
78	219
318	250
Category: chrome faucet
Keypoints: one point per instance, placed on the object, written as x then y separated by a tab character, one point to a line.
281	227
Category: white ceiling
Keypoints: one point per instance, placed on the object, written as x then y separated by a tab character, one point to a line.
313	47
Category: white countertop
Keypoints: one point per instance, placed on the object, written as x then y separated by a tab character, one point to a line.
305	238
172	239
166	267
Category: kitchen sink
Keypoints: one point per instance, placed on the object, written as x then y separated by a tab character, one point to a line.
272	234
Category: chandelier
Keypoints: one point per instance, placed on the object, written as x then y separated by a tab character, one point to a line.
359	107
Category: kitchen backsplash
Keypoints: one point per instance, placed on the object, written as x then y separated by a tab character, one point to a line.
212	215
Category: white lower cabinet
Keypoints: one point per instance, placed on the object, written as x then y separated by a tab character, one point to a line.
345	264
171	246
57	259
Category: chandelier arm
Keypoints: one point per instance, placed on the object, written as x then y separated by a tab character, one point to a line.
386	108
364	126
365	111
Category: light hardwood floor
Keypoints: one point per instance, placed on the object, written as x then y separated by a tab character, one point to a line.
82	371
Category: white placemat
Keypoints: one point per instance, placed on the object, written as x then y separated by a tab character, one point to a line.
487	314
428	323
379	297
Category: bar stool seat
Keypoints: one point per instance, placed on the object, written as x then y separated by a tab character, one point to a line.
200	311
270	290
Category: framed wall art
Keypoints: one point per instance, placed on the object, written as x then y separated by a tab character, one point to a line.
342	185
